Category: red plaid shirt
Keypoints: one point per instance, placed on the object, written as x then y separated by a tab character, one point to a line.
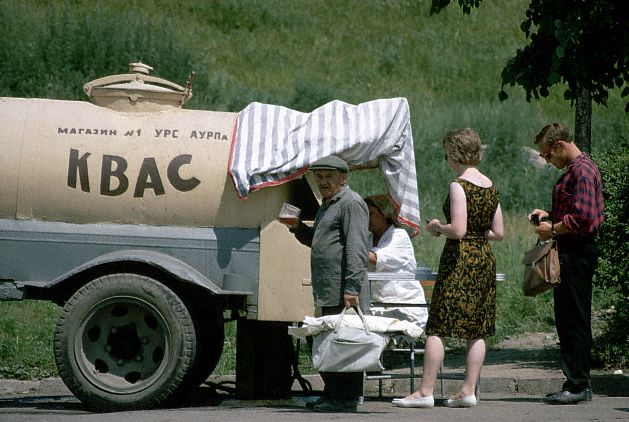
578	198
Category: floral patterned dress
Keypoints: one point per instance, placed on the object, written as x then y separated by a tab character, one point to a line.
464	300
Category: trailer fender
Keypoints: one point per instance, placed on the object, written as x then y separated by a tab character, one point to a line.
166	263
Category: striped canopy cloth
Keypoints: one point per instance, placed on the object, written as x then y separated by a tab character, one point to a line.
273	144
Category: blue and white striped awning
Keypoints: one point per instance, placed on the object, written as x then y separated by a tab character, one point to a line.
274	144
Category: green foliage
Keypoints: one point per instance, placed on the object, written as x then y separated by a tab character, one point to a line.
585	44
26	331
531	186
71	45
613	270
301	54
308	96
612	347
437	6
227	363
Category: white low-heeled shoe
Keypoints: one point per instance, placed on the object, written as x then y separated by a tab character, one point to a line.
422	402
467	401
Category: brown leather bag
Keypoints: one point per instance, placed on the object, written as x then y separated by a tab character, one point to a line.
541	268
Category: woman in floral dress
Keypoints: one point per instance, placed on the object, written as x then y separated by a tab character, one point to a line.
464	300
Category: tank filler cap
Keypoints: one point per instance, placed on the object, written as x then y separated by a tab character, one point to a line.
140	67
138	91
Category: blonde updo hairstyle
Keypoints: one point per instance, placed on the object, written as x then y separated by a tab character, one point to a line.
463	146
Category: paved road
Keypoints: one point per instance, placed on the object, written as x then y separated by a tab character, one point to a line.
211	404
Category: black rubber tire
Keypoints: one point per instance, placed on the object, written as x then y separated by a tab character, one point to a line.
124	341
210	330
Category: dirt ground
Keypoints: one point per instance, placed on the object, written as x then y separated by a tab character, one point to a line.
535	341
530	349
544	346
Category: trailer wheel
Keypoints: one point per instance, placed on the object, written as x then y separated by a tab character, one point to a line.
124	341
210	340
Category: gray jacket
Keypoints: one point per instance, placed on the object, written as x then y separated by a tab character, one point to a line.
339	242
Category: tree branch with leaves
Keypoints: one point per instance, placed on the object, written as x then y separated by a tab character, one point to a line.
583	44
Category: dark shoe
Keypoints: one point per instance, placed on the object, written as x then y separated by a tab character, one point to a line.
336	406
566	397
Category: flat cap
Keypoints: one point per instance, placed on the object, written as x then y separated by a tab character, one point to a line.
330	163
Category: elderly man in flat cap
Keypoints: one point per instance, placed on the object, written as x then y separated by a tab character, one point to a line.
339	242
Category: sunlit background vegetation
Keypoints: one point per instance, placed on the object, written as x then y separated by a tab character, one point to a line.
302	54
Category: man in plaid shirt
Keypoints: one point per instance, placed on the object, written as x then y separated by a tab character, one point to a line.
576	215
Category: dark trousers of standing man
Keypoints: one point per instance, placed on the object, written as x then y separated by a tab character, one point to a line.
573	309
341	385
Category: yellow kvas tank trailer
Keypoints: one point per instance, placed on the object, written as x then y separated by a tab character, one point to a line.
121	210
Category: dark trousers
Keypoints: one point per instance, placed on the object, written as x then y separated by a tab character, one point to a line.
573	310
341	385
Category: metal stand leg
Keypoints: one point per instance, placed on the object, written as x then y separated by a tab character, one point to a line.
412	366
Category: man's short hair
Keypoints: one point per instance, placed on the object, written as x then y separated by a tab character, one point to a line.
552	133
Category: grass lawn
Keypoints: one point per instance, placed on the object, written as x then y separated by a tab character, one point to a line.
301	54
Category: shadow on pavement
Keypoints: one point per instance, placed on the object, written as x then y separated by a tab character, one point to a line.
47	403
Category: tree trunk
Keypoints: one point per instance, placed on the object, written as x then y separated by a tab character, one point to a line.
583	120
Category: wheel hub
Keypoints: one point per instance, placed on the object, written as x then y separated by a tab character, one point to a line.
123	345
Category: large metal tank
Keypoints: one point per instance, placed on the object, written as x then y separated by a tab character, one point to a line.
134	156
128	161
122	210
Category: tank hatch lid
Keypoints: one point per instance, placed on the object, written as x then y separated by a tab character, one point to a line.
137	91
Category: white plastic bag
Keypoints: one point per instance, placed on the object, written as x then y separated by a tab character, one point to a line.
347	349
